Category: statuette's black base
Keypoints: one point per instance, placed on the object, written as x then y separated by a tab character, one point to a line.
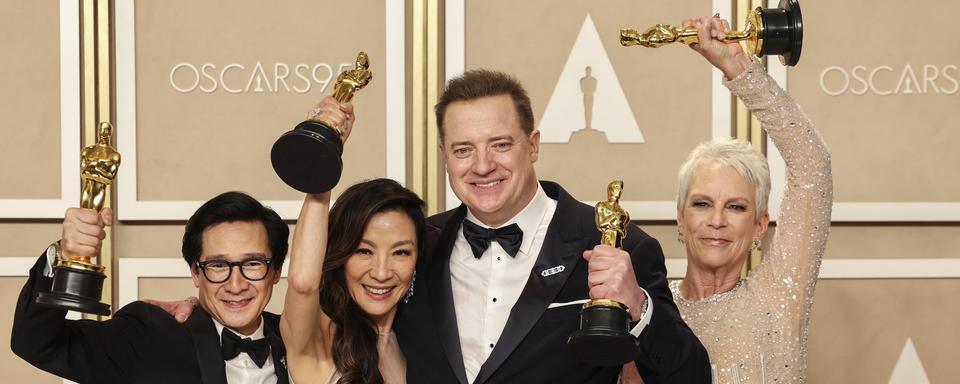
783	32
308	157
603	338
76	290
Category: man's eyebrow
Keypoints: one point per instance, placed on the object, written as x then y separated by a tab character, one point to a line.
503	137
456	143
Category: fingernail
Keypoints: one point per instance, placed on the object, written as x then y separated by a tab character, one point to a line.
716	14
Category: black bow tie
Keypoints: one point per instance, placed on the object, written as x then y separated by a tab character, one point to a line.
479	238
231	345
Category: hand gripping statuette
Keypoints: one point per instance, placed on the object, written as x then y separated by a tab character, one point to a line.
77	281
604	338
308	158
773	31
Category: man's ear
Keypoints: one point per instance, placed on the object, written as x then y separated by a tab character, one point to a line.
195	275
535	145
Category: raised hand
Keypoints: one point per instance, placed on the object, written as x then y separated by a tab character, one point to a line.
729	57
329	111
83	231
610	276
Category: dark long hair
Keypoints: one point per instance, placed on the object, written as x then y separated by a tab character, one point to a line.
355	337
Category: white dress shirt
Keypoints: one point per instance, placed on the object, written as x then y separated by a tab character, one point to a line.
242	369
485	289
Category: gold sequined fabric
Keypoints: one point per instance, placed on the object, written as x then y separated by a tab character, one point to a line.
757	332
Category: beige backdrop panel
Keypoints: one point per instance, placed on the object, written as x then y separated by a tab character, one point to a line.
19	239
148	240
896	147
893	242
14	369
194	145
859	329
30	101
667	89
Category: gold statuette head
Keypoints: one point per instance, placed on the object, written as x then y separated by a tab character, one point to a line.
612	219
353	80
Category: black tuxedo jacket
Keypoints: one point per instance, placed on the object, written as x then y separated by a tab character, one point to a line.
140	344
532	347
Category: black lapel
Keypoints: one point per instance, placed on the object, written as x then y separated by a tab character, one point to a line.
440	293
271	330
207	343
561	247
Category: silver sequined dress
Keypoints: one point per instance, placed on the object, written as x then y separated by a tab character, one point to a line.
757	332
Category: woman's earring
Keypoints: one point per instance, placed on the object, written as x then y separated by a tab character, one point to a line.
680	237
406	299
755	246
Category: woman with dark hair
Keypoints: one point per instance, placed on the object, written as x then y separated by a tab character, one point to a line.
347	275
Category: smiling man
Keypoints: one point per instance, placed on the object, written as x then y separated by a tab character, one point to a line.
234	247
493	300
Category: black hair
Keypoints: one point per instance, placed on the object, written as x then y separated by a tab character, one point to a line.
235	206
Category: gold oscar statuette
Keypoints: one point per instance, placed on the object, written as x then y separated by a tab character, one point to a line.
773	31
308	158
604	337
77	281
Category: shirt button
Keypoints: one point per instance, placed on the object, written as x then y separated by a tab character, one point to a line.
498	258
494	299
491	345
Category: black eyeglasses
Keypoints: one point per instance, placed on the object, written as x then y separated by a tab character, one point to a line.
218	271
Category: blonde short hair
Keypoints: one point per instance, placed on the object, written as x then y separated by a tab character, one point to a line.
738	154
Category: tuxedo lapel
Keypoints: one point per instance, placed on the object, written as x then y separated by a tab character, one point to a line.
440	293
207	344
561	251
271	331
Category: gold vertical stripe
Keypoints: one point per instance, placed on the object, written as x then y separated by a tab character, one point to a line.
418	96
757	137
747	126
88	82
742	119
105	113
97	106
88	79
434	186
104	67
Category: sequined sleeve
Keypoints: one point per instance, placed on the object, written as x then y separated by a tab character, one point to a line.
791	264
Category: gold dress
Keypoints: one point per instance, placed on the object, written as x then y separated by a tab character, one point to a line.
757	332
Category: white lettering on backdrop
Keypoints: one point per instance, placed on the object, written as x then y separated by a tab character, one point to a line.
256	78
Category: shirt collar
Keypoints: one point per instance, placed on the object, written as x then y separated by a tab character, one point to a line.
528	219
258	334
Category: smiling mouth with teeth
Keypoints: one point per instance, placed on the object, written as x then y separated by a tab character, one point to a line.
237	302
377	291
487	185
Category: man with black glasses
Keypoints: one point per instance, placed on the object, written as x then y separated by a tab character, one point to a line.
234	247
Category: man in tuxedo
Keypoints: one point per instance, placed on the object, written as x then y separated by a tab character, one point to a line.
489	306
234	247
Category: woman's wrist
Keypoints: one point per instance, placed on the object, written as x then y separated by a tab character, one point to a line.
736	67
